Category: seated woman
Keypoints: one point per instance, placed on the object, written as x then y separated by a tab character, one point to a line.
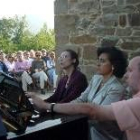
73	83
106	88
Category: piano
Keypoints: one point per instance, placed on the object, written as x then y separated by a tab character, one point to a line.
55	127
24	123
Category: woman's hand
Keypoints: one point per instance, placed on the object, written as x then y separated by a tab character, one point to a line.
38	103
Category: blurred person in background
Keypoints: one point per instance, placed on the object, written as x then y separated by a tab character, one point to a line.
21	71
51	70
38	69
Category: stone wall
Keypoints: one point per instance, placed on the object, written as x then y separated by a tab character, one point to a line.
84	25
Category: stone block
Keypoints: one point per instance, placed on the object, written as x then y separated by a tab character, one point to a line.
126	9
102	31
108	2
124	32
89	52
130	45
83	23
131	39
61	39
122	20
88	6
136	33
110	9
132	1
65	24
120	2
82	39
72	6
134	19
60	7
108	20
119	9
109	41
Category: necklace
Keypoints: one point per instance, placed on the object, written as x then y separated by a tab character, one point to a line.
102	84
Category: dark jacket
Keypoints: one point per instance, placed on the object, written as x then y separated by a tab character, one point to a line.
3	67
77	84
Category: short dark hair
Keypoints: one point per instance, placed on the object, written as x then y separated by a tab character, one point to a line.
73	55
117	58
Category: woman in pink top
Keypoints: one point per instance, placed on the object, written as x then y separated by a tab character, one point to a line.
126	113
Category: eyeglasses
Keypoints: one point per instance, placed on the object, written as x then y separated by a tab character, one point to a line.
63	57
102	61
38	55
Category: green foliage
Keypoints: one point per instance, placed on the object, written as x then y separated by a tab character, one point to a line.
15	35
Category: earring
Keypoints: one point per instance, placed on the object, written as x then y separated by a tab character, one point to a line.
112	68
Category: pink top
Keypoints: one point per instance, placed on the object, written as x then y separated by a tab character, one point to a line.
127	114
21	66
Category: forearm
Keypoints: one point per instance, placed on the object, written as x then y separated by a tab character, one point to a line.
74	109
93	111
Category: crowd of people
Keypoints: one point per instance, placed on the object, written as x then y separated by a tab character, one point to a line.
29	67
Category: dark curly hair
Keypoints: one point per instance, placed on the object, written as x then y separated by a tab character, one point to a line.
73	55
117	58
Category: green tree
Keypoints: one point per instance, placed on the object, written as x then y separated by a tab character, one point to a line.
46	38
15	35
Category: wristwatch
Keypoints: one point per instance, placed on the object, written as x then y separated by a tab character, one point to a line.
52	107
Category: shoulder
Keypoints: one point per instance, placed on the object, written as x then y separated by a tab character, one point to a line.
116	84
132	103
96	78
78	75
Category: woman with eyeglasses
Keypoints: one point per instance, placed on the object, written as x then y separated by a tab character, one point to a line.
73	83
105	88
38	68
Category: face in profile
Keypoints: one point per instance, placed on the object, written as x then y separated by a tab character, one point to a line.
65	60
104	65
132	76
